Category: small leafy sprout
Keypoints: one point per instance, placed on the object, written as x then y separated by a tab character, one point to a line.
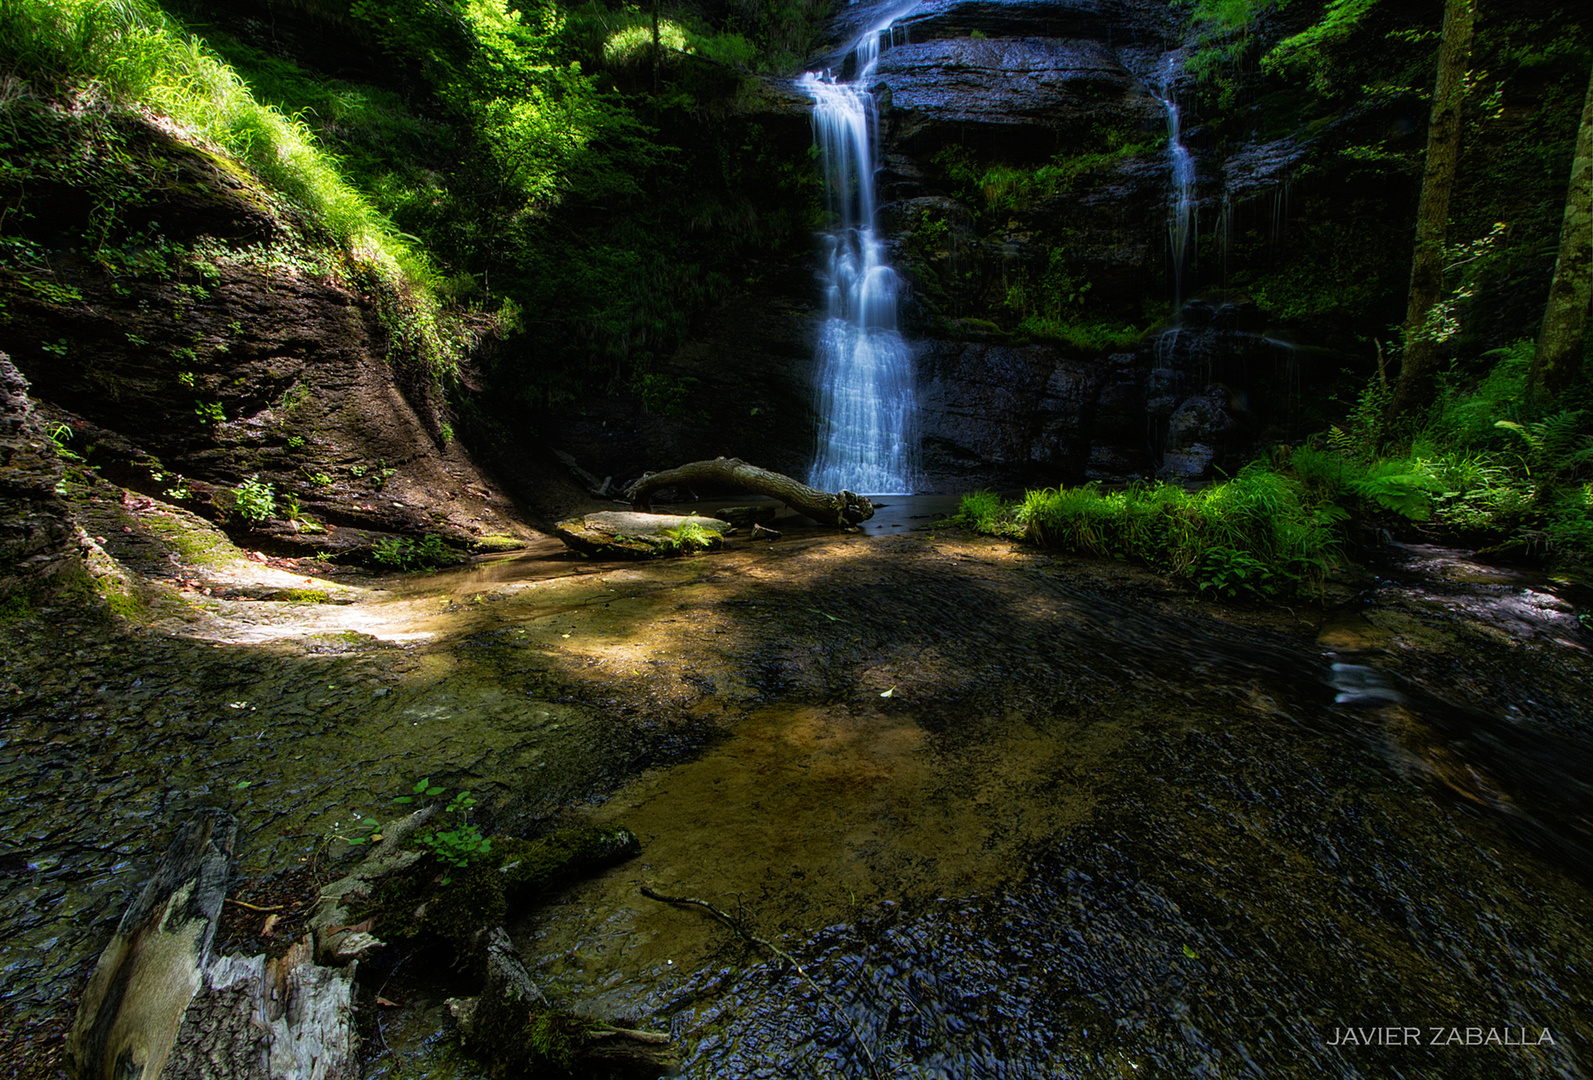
186	378
371	829
209	412
241	784
61	434
295	441
58	348
425	789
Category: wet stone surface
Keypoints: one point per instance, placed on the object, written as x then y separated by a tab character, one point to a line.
1015	815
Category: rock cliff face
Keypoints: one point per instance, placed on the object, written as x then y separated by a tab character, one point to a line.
35	531
1051	100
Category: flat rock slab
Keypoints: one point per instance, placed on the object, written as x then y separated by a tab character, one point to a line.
631	534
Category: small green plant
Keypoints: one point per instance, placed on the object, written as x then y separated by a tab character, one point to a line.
319	479
290	506
209	412
458	846
60	435
185	378
255	500
58	347
295	441
403	553
357	471
446	433
687	537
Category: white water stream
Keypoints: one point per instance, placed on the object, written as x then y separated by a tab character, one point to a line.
868	437
1181	220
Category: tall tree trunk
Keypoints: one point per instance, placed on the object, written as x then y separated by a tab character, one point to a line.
657	48
1415	388
1559	353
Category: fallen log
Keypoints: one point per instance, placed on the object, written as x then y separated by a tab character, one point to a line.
130	1011
512	1026
842	508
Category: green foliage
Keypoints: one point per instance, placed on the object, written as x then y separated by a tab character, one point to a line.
60	435
1310	48
255	500
984	511
460	845
1263	533
404	553
1482	462
1001	186
209	412
689	537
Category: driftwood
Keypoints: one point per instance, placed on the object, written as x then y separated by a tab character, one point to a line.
842	508
134	1002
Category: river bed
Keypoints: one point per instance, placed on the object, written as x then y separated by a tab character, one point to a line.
1016	815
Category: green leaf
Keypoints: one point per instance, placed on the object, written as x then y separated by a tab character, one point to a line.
1191	953
420	788
403	798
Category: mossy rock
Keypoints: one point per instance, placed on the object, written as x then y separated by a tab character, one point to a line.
490	544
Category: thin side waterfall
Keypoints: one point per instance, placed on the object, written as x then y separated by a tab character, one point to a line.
1181	223
868	437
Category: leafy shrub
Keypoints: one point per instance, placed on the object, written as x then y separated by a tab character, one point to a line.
255	500
403	553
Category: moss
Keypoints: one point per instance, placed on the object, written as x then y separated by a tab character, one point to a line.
302	596
195	542
121	600
499	543
15	606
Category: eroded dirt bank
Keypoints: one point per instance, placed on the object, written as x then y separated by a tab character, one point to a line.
1019	816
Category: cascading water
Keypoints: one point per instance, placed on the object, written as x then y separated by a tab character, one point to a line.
1181	221
868	438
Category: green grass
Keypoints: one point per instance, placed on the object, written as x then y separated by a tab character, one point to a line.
1261	534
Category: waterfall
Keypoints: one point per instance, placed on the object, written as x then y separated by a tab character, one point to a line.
868	438
1181	224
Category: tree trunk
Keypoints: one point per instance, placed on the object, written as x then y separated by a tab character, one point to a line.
1415	388
843	508
134	1002
657	48
1558	358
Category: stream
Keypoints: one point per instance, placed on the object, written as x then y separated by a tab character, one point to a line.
1016	815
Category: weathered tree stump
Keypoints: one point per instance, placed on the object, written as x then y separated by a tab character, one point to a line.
260	1019
841	508
158	1005
134	1002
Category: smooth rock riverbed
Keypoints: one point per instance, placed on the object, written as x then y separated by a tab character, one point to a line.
1017	815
